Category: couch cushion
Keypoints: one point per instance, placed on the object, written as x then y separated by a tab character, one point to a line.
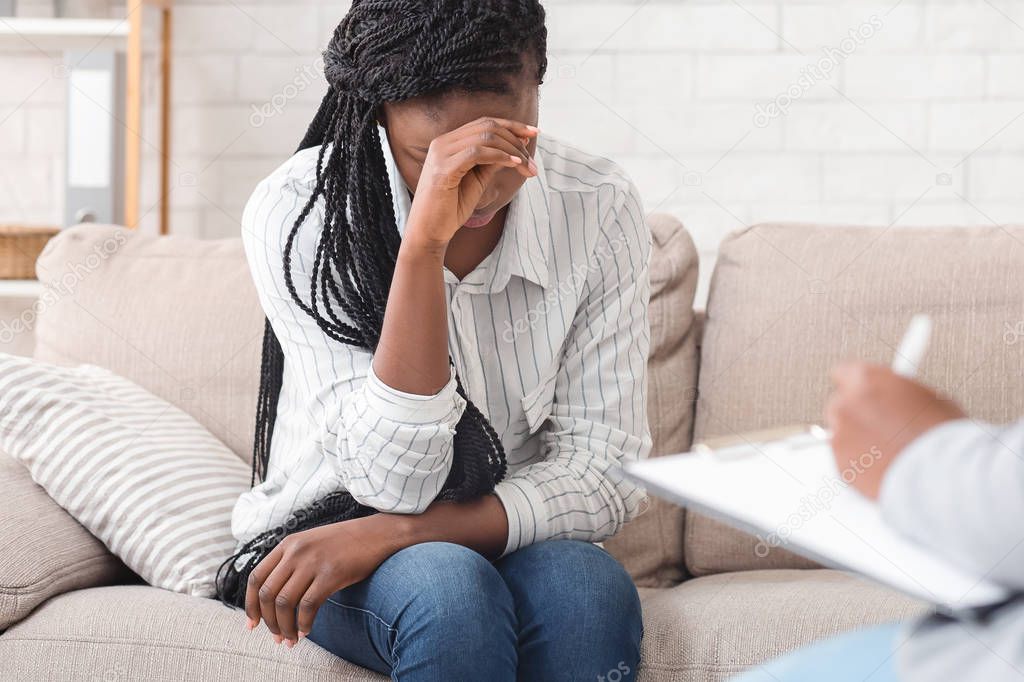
710	628
137	632
702	630
176	315
43	550
789	301
651	546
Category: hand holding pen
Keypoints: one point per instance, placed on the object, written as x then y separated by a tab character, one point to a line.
878	411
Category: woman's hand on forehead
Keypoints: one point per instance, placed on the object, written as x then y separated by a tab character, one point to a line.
458	172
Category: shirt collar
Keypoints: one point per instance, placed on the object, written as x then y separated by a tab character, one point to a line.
522	250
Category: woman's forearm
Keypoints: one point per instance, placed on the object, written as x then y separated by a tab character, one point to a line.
412	355
481	525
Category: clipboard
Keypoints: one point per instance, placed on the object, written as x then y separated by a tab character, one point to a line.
783	487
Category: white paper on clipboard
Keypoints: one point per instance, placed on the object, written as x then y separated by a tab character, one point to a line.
794	497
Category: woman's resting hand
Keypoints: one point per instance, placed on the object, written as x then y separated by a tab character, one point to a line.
288	587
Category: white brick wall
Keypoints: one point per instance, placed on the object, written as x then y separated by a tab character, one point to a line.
920	120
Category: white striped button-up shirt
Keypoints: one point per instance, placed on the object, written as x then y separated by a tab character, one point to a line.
549	336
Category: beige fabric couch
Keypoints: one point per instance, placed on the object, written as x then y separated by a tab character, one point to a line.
180	317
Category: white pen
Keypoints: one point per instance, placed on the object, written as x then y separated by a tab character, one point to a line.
912	348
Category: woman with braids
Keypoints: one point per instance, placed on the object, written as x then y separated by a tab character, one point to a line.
454	365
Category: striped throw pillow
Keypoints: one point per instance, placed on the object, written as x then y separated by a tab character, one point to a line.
141	475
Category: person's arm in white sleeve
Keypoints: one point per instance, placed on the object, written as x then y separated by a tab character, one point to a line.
959	490
953	484
598	418
393	450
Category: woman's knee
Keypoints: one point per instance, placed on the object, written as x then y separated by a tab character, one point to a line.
574	578
432	606
583	566
450	583
574	587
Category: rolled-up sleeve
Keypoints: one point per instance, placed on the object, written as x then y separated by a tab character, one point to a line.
392	450
598	417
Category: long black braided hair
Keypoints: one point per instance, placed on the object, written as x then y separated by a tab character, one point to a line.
383	51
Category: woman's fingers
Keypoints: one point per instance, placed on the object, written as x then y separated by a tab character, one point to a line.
509	146
309	603
268	596
257	577
473	156
518	128
489	132
287	602
481	144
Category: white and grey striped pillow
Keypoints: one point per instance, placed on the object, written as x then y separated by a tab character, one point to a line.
141	475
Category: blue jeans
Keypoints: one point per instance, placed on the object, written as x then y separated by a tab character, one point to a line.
556	610
867	655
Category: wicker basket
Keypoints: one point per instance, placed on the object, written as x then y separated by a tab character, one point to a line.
20	246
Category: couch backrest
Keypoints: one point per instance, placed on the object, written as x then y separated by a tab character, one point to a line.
177	316
787	301
651	546
180	317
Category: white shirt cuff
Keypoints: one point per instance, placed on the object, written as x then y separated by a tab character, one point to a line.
412	408
526	511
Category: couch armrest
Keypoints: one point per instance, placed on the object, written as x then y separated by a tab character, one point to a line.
44	552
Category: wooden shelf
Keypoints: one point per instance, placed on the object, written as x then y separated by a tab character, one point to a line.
63	34
59	34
